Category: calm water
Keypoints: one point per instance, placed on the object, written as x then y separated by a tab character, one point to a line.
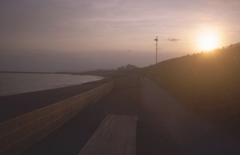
16	83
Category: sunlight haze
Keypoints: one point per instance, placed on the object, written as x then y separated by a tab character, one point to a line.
208	40
77	35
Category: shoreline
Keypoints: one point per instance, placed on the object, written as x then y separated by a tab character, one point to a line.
14	105
23	90
71	137
5	95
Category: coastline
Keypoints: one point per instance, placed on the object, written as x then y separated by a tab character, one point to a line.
125	99
33	82
18	104
154	119
71	137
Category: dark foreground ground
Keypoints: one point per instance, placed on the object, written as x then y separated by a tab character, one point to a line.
164	126
70	138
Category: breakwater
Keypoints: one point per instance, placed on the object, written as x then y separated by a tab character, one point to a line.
23	131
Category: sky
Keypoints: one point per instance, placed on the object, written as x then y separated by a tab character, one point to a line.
80	35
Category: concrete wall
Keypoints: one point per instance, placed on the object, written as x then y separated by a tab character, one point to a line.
19	133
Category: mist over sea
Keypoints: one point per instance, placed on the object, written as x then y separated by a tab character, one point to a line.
17	83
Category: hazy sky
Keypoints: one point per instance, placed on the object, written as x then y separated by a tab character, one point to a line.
75	35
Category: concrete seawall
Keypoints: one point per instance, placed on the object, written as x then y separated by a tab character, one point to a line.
19	133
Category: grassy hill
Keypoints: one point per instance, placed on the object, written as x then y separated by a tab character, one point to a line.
207	82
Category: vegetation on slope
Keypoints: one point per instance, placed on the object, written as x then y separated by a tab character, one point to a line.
208	82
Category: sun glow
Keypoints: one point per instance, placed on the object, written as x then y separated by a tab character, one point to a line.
208	41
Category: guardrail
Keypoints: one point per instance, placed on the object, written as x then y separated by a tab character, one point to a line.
19	133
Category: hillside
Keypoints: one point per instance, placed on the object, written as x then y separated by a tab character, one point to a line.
207	82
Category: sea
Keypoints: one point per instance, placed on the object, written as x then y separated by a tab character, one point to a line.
17	83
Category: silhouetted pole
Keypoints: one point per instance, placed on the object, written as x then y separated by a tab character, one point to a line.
156	47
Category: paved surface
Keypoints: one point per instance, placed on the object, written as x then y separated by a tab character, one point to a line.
190	134
164	127
70	138
116	135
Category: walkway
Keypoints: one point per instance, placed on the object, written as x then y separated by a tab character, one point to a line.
191	134
164	127
115	135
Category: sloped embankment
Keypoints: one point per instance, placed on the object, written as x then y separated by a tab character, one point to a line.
207	82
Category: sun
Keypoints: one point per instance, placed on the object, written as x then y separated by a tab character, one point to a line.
208	41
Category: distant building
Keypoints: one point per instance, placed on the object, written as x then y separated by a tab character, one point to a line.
121	68
128	67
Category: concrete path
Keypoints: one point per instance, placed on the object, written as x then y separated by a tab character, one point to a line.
72	136
192	134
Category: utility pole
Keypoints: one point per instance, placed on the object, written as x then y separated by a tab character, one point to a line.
156	47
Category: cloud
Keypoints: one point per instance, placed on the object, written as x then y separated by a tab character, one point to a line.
107	24
173	39
220	3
